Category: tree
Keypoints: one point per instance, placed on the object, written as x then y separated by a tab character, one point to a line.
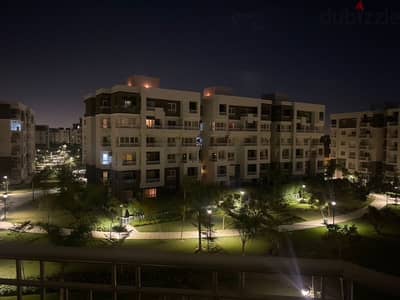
375	217
341	236
198	196
249	221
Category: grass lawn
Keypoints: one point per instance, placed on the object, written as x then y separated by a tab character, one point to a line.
225	245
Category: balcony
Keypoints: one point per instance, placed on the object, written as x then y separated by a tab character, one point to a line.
152	179
128	162
252	158
153	144
189	144
152	162
171	161
173	126
128	144
364	158
263	157
191	128
172	144
221	175
251	173
219	144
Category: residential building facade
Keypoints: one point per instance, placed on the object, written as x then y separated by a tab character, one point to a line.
245	137
42	137
17	142
139	135
367	143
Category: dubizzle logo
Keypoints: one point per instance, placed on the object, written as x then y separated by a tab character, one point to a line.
360	6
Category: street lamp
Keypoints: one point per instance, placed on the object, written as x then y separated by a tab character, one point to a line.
209	212
305	292
303	187
122	212
5	196
333	203
5	183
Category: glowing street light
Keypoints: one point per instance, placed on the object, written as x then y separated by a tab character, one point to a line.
5	196
209	211
305	293
241	193
5	183
333	203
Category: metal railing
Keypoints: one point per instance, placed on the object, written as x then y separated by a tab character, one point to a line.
212	268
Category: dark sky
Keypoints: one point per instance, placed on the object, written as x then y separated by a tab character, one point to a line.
52	53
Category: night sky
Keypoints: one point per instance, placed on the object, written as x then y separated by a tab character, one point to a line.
53	53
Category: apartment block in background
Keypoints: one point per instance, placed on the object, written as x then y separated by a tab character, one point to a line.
357	141
76	134
392	143
297	131
59	136
139	135
244	137
236	137
42	140
17	142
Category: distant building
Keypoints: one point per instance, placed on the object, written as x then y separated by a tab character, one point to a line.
59	136
17	142
76	134
367	142
42	137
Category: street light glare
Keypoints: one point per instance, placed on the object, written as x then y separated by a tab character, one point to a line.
305	292
333	203
209	211
242	193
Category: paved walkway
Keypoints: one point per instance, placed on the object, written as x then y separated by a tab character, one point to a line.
379	202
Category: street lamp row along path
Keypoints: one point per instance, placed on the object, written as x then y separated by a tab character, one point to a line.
379	202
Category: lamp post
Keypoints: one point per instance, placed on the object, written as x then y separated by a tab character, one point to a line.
5	184
303	187
333	203
5	196
122	212
209	213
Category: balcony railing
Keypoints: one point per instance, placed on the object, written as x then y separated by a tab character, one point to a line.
221	175
153	162
252	158
153	144
128	144
151	179
128	162
189	144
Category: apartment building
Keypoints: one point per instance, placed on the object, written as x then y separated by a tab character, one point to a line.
357	141
42	137
243	137
139	135
76	134
17	142
392	143
59	136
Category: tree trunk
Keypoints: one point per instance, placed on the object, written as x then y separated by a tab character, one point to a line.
199	229
243	247
183	220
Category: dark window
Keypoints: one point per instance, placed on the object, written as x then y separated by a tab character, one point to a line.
321	115
192	171
222	109
193	107
251	169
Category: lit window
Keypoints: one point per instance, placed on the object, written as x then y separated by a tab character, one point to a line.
105	123
151	193
150	123
105	157
15	125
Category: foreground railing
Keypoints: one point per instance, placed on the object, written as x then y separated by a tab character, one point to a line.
130	274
